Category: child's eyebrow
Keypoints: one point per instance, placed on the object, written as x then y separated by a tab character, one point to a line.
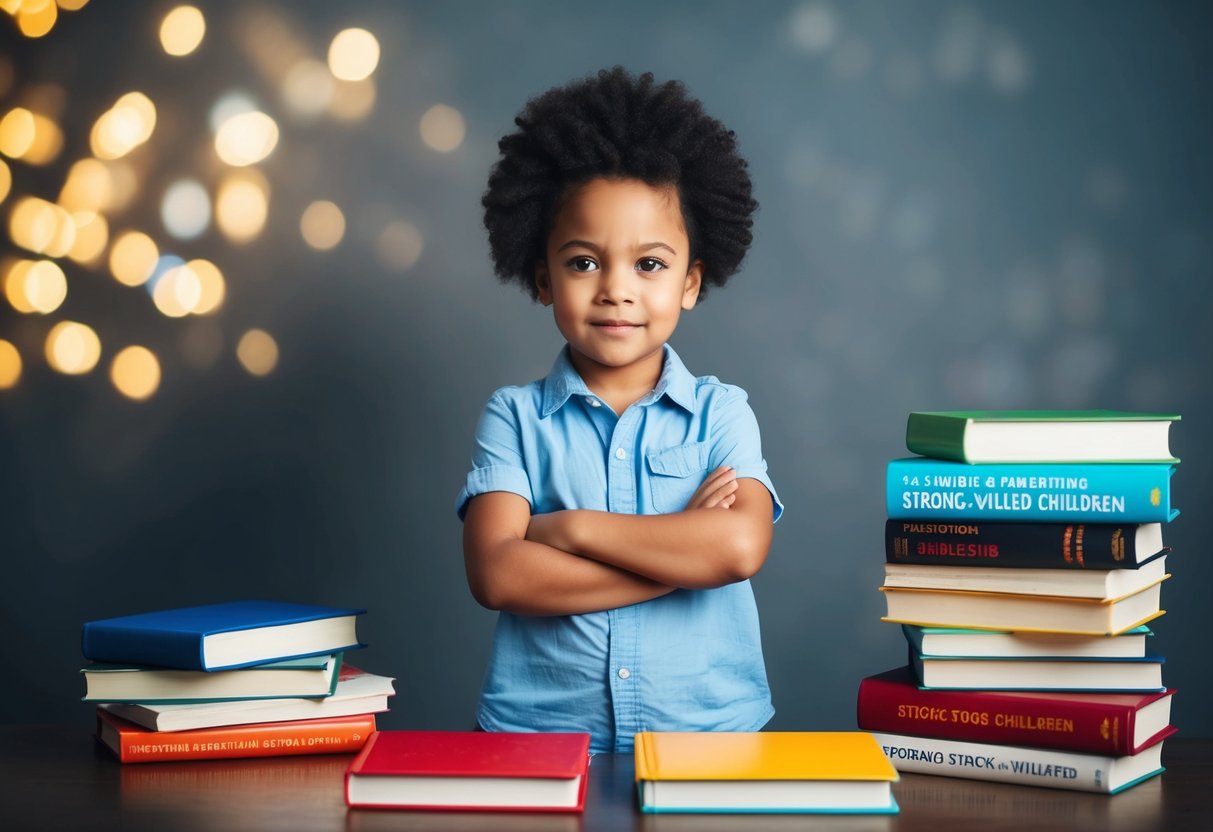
592	247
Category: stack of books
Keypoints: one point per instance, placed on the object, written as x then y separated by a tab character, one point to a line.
1024	559
235	679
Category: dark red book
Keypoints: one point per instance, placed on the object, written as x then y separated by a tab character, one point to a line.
470	770
1113	724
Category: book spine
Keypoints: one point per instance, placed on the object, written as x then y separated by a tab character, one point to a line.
936	435
997	763
341	735
1057	723
1022	545
123	645
1028	492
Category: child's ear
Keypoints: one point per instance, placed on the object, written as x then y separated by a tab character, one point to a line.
543	283
690	289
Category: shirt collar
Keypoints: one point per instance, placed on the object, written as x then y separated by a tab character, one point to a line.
563	382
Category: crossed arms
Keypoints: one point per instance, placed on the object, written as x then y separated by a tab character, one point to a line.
578	561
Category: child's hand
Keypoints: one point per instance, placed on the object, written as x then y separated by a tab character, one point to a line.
719	490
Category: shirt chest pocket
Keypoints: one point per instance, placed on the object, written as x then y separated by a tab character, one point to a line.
674	474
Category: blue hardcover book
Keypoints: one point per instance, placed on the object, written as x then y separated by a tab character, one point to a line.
222	636
1098	492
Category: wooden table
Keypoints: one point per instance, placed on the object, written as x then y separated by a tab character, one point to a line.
59	778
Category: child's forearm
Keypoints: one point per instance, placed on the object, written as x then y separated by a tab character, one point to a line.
507	572
698	548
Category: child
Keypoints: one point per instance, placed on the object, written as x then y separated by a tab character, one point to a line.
616	508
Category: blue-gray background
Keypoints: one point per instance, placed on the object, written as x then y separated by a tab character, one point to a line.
964	205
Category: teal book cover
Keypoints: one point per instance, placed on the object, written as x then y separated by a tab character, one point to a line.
1053	492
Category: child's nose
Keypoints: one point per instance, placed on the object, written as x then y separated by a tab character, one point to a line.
617	285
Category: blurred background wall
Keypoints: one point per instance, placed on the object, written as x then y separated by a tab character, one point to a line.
964	205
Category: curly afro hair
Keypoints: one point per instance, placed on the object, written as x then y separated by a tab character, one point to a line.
617	125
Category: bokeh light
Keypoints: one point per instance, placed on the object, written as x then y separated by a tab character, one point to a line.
41	227
353	54
322	225
185	209
135	372
229	105
133	258
72	348
46	144
442	128
181	30
89	187
814	27
211	286
257	352
125	126
177	291
307	88
399	245
6	180
246	138
242	205
45	286
10	365
125	184
352	100
30	136
16	132
92	236
14	286
37	18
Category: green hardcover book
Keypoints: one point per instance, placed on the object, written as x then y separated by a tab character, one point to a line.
977	436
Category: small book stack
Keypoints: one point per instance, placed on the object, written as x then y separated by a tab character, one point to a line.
1024	558
235	679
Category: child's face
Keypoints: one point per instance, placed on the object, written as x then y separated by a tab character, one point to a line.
618	274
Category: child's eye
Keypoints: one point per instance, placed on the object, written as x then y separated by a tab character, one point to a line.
582	264
649	264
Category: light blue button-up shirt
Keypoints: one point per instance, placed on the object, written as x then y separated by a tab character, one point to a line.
687	661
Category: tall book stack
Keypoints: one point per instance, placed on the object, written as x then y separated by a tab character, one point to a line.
1024	560
236	679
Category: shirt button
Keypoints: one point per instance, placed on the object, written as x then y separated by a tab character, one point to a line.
624	673
595	403
620	453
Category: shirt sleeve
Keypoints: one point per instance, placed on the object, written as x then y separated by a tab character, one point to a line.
497	461
736	441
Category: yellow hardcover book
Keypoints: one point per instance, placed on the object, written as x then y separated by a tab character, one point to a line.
837	772
1023	613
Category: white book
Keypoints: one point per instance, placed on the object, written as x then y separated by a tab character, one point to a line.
1101	584
1020	764
944	641
358	692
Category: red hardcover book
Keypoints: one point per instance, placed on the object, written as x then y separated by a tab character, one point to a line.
133	743
1113	724
470	770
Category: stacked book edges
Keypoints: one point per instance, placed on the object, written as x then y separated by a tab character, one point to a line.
1024	558
237	679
